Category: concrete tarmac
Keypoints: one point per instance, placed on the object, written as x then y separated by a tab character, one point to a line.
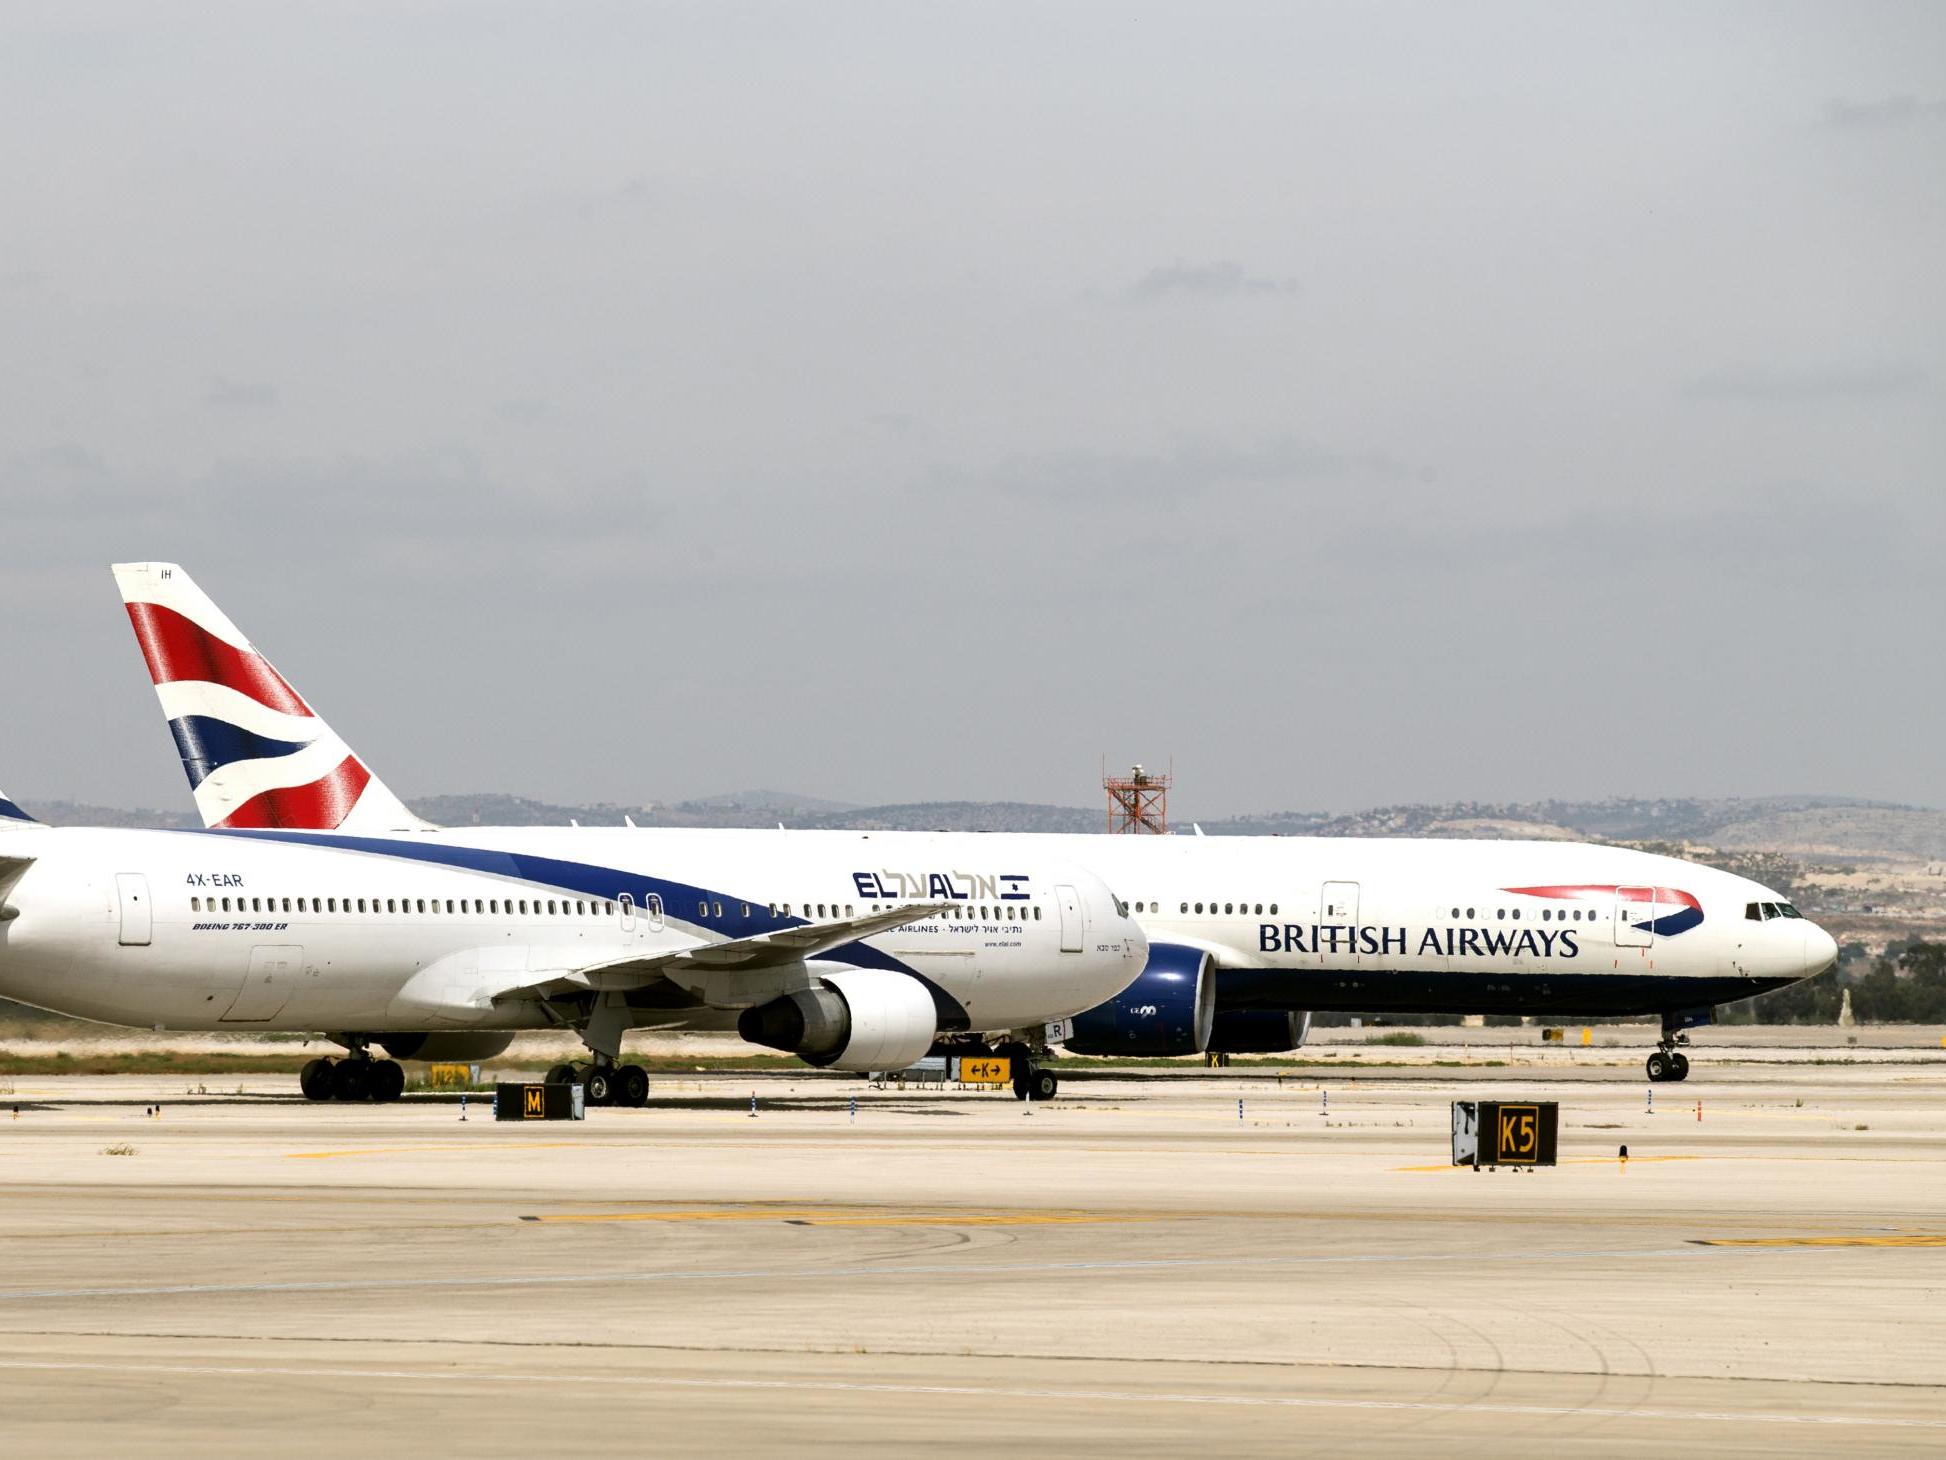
1129	1269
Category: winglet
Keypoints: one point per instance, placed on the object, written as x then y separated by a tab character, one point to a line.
257	755
11	815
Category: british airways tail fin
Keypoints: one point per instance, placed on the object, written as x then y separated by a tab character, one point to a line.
257	755
11	815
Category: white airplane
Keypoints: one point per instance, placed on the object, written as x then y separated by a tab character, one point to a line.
1246	935
1249	935
439	944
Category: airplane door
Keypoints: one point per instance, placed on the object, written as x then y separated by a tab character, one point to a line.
1634	905
628	912
1071	924
132	892
1338	907
274	971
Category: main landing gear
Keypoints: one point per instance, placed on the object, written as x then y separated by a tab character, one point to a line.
1031	1080
603	1083
602	1080
356	1077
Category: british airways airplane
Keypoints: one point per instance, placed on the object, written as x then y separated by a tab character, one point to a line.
315	901
1249	935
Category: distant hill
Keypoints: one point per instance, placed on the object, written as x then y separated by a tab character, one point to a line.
1809	828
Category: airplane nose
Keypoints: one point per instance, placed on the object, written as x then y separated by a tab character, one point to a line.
1820	949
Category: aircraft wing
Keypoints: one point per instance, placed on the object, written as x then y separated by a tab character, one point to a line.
12	869
738	955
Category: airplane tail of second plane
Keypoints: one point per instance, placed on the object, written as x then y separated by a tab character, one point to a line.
257	755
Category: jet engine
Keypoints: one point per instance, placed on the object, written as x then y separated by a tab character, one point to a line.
854	1019
1257	1031
461	1046
1169	1009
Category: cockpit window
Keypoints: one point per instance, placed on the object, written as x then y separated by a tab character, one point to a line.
1786	910
1763	912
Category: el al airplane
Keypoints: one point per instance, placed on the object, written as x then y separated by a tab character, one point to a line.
315	901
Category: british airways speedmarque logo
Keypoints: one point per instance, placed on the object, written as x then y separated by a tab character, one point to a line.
1684	910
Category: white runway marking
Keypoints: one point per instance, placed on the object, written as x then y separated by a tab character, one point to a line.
844	1274
981	1391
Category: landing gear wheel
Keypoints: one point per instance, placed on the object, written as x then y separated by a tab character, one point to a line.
387	1081
632	1086
1658	1067
1679	1066
599	1087
351	1080
315	1078
559	1075
1044	1084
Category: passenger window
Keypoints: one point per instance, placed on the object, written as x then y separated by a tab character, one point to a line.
1037	914
1469	915
195	904
1185	907
1199	907
1500	913
1273	909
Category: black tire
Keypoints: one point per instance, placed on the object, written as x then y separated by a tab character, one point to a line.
1658	1067
315	1078
559	1075
599	1087
351	1080
1045	1085
1679	1067
387	1082
632	1086
1020	1087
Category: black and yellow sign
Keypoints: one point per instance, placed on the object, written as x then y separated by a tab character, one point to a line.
985	1070
1522	1134
536	1102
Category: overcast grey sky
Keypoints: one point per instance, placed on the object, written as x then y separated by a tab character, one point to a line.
892	402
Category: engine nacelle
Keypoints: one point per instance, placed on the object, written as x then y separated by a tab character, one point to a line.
855	1019
1169	1009
457	1045
1257	1031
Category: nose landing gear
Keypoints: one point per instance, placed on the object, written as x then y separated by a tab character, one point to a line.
1669	1062
1031	1080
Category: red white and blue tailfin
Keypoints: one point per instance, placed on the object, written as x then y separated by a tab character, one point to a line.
257	755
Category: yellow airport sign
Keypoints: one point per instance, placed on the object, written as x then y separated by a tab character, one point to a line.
986	1070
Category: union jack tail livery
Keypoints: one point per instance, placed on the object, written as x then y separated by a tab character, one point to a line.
257	755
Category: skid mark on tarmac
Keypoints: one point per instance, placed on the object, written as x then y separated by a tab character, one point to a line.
984	1391
1897	1239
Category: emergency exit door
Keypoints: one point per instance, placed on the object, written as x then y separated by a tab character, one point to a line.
1337	908
1071	927
267	987
132	892
1634	905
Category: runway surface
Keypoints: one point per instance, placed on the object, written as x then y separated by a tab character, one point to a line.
1131	1268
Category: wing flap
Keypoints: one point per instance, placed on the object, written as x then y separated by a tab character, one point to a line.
739	955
